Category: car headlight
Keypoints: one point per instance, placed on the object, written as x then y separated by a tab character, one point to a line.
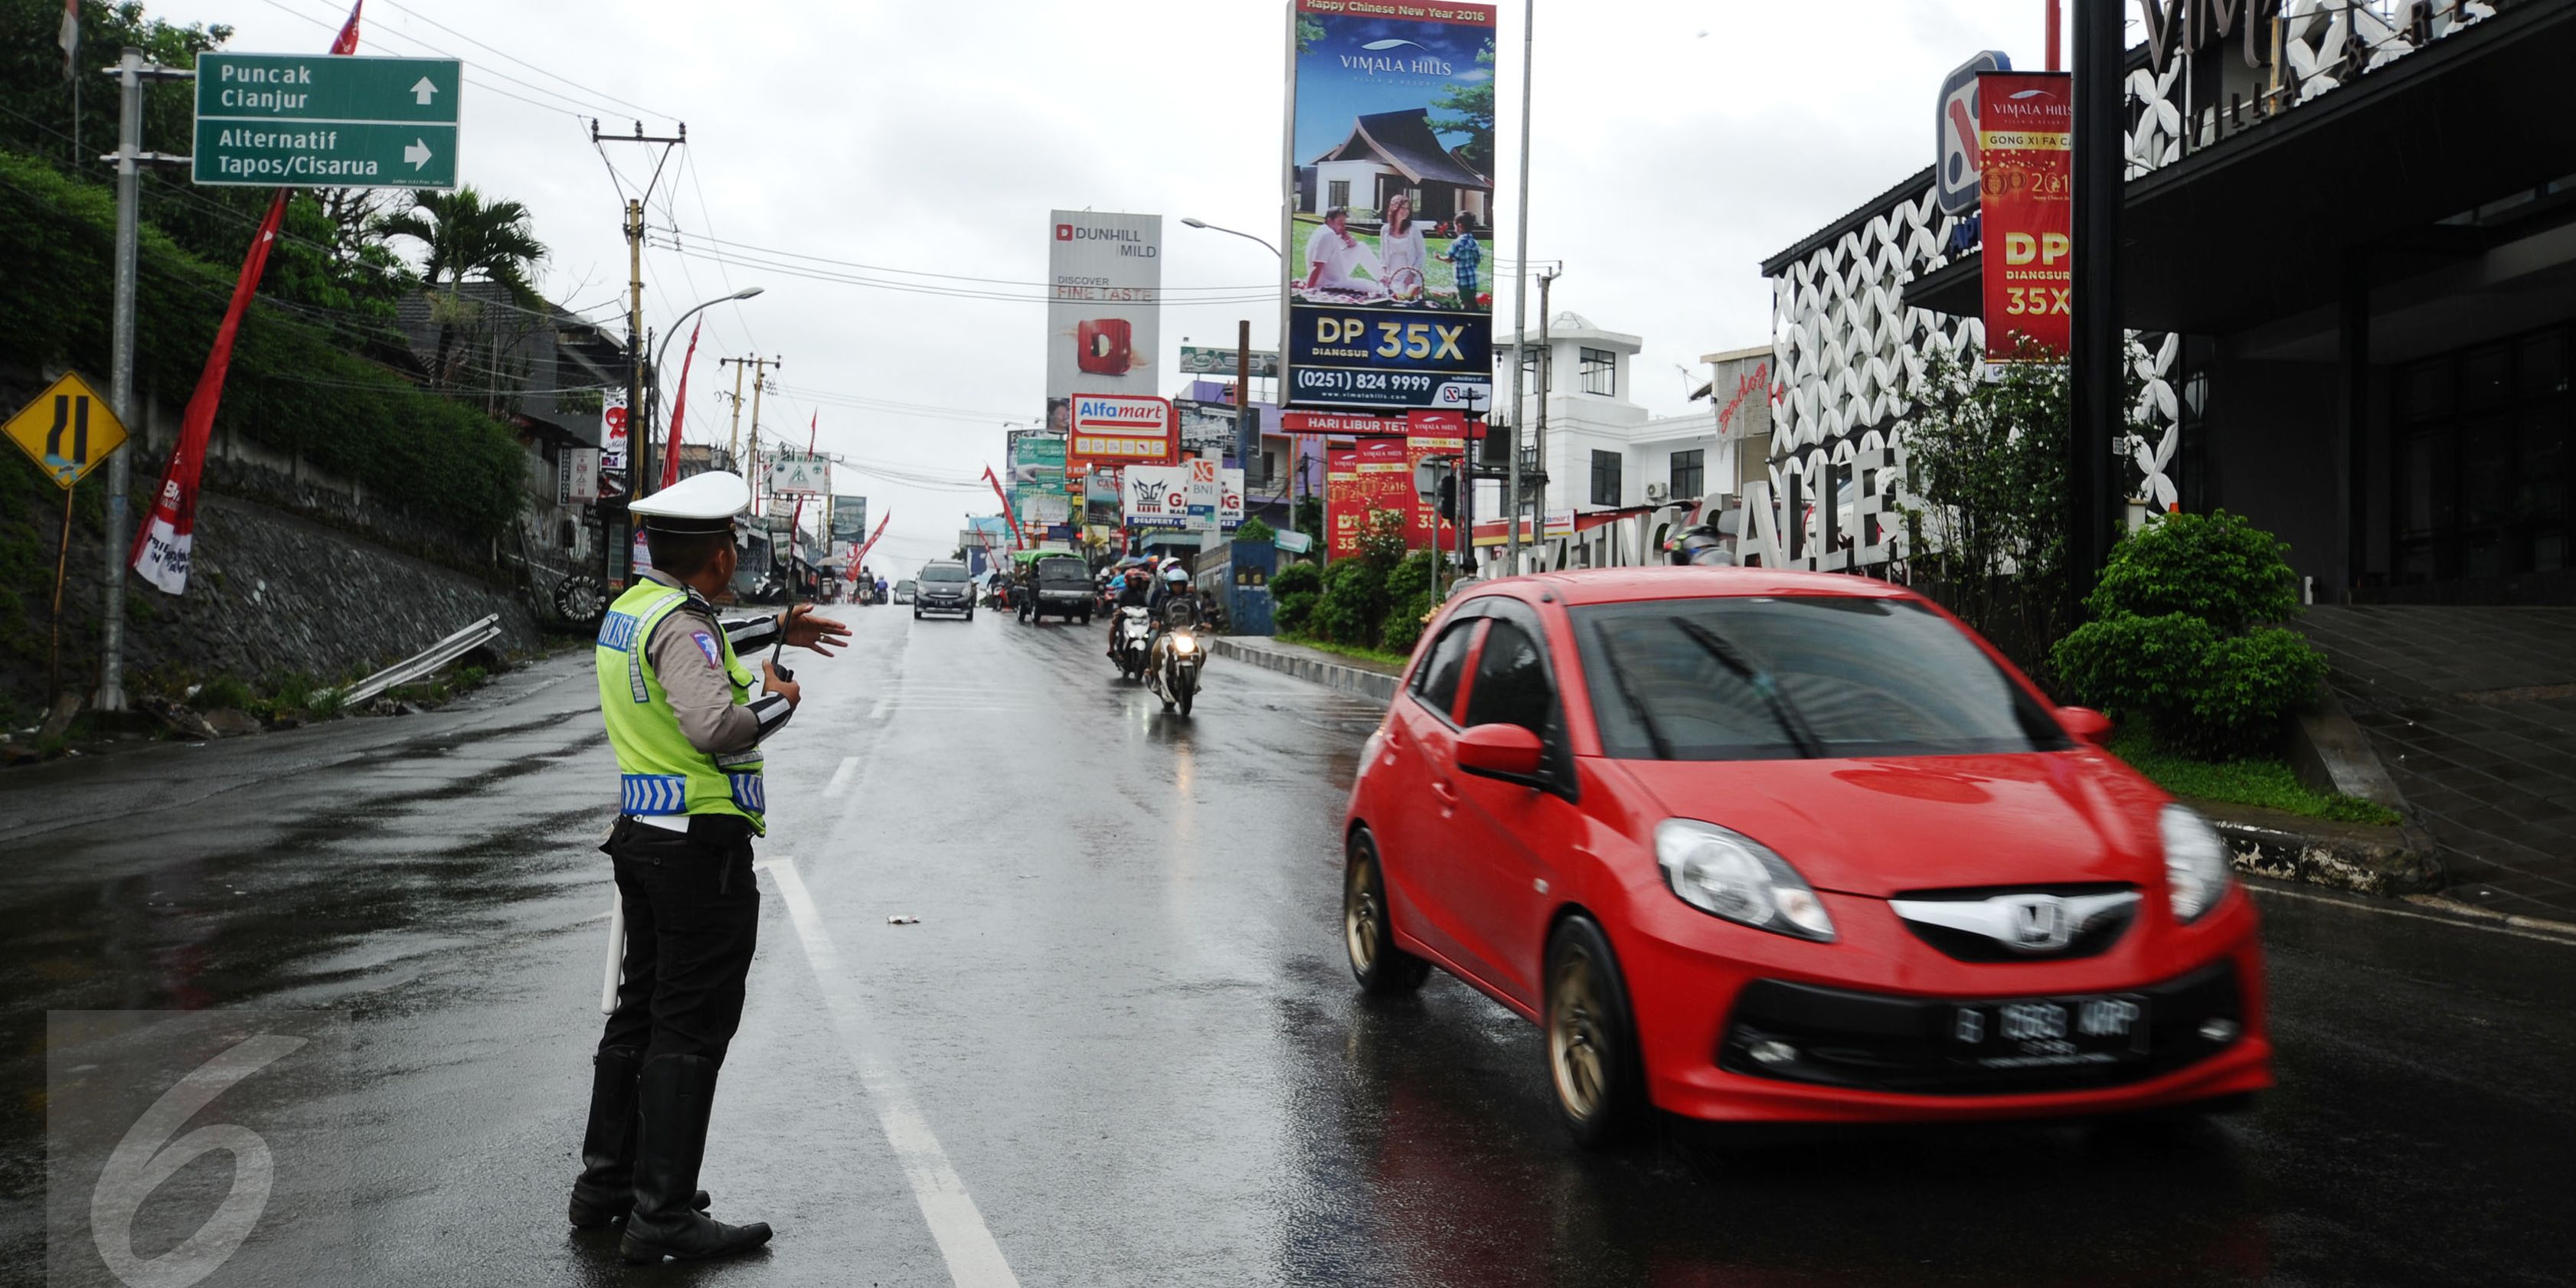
2198	869
1731	875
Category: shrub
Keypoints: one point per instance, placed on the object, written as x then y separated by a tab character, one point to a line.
2180	637
1406	618
2216	567
1353	604
1293	593
223	692
1255	531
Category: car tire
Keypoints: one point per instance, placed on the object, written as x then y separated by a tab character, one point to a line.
916	614
1592	1064
1368	933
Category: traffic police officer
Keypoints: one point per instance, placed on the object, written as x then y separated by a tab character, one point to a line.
687	732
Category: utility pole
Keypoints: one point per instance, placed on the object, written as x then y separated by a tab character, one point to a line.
759	372
2096	357
1546	369
759	381
1520	305
131	71
1247	440
640	473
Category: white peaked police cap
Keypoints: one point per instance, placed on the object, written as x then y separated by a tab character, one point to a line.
699	503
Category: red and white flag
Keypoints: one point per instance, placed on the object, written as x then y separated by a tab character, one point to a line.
162	545
680	407
69	39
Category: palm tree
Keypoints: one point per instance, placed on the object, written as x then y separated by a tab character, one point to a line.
468	239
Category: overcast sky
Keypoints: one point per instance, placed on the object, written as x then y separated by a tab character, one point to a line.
1676	145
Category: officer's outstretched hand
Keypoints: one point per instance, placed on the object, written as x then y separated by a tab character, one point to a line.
821	634
785	688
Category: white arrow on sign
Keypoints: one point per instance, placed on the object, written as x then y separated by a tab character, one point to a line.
421	92
417	153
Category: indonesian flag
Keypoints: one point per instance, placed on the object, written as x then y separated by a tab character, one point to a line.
671	458
70	37
162	545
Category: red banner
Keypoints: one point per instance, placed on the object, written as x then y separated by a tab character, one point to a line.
679	407
2025	131
162	546
1412	424
1359	481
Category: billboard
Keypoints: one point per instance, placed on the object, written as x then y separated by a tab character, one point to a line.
2025	135
796	475
1158	496
1390	205
1039	494
1115	429
849	519
612	432
1376	475
1105	284
1207	429
1202	360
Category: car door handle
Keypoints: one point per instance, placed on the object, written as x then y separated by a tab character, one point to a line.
1440	787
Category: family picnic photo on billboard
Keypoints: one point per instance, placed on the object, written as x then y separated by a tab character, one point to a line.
1390	200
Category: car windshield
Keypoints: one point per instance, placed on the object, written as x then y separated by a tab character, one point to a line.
1063	570
944	572
1757	678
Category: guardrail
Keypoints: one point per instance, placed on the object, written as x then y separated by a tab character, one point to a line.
426	661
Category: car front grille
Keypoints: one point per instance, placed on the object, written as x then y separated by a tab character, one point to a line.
1994	924
1878	1042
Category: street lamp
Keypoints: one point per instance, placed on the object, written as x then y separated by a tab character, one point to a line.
1263	242
645	476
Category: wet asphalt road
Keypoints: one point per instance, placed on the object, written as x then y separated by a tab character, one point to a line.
1122	1046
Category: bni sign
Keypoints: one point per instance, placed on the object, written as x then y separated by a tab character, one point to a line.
326	121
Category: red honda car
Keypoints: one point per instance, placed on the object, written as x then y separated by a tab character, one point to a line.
1754	845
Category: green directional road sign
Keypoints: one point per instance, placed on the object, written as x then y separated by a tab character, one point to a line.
324	121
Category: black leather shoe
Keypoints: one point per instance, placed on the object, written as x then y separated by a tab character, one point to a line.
604	1193
676	1094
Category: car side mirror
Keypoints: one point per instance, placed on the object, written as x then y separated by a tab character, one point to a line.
1505	751
2085	724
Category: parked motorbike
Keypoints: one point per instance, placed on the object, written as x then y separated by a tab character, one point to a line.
1131	649
1179	655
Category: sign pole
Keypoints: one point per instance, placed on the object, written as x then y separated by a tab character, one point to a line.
2096	342
1520	305
62	564
120	375
1247	444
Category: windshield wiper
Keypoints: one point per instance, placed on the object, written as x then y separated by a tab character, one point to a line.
1628	689
1733	659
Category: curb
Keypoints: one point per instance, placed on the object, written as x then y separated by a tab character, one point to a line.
1332	675
2385	862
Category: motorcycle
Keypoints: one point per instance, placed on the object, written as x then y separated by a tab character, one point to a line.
1179	655
1135	636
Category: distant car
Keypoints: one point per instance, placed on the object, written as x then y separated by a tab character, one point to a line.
944	587
1063	590
1765	846
903	591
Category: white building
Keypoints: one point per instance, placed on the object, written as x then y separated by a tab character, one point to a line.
1603	449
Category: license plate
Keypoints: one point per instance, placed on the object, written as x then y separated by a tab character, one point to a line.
2048	1032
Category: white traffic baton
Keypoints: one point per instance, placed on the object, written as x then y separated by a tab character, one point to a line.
615	971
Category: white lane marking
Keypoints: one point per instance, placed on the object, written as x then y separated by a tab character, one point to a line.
974	1260
2463	922
878	711
841	777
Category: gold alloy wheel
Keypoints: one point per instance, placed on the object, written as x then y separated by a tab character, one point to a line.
1575	1035
1363	913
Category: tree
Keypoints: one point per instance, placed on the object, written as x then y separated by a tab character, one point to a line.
465	238
1473	105
1308	32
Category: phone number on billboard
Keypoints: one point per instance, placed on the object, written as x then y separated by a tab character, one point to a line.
1362	382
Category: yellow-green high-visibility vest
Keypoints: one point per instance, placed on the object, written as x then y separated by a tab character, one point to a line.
659	772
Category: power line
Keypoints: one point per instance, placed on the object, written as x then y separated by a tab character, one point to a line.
747	247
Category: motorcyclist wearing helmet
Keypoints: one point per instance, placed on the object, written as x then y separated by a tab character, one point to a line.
1174	587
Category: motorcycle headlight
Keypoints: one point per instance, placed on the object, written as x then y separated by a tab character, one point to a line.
1183	644
2198	870
1731	875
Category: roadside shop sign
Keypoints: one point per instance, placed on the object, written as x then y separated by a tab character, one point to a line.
1117	429
1955	149
577	476
2025	131
612	432
68	430
326	121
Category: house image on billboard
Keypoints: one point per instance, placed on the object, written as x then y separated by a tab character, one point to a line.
1389	153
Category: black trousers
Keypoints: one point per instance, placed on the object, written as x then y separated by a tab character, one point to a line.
692	920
